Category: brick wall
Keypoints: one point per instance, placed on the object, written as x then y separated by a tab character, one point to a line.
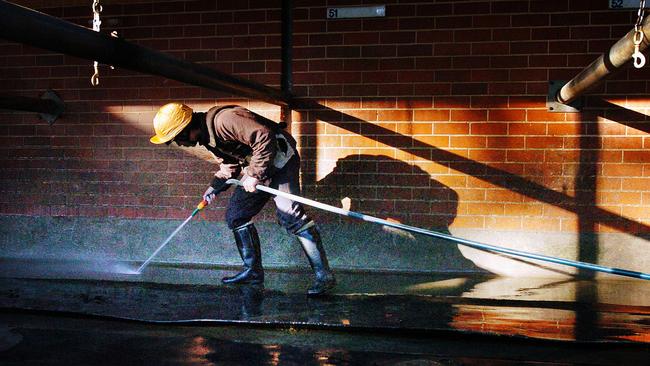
434	115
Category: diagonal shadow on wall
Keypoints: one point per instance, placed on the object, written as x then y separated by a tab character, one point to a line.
590	145
473	168
621	115
586	318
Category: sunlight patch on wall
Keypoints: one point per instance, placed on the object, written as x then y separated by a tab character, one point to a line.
139	117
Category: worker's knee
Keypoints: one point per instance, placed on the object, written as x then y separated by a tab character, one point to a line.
292	223
305	227
234	219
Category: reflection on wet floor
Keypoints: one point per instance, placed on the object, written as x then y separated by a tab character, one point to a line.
370	319
55	339
137	345
528	308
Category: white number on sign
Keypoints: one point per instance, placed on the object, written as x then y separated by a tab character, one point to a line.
616	4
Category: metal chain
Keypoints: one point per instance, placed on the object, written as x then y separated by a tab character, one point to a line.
97	8
639	58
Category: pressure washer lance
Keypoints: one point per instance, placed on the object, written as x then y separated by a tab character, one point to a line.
465	242
198	208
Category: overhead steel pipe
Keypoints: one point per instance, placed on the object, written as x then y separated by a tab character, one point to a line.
604	66
49	106
27	104
40	30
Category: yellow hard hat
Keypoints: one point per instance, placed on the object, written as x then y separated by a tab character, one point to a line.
170	120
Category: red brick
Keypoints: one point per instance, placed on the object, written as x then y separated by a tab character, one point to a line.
431	115
469	88
636	157
484	128
397	64
379	51
472	208
468	115
360	38
345	25
509	61
379	77
489	75
468	141
506	115
491	21
415	102
538	116
394	115
529	47
492	48
511	34
362	64
382	24
622	170
505	142
332	78
508	88
415	128
453	128
434	36
533	142
416	76
525	155
432	89
531	20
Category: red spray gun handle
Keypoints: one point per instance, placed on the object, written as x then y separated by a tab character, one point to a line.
202	205
219	186
199	207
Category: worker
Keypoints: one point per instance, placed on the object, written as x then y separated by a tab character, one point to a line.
262	152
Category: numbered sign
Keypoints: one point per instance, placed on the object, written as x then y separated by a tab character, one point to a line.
625	4
356	12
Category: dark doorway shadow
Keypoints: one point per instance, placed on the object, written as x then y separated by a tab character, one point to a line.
391	189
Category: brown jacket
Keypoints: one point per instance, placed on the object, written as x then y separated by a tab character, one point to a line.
240	138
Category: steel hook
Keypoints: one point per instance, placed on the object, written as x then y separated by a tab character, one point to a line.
639	60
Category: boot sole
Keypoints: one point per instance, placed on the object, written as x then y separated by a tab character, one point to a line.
252	282
324	291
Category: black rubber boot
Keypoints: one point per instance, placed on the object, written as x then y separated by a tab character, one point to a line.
248	244
313	247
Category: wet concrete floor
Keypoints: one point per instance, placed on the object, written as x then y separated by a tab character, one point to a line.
173	315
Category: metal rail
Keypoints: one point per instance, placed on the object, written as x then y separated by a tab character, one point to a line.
40	30
604	66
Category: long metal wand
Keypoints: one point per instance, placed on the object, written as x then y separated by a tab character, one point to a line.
196	210
469	243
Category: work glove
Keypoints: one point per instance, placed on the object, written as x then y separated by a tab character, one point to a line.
227	171
249	183
217	186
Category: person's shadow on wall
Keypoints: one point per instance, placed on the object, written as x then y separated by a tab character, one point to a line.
391	189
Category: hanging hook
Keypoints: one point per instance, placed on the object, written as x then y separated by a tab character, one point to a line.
639	58
94	80
97	8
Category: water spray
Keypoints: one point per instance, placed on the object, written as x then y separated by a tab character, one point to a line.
413	229
198	208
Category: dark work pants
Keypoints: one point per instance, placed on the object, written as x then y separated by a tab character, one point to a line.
243	206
